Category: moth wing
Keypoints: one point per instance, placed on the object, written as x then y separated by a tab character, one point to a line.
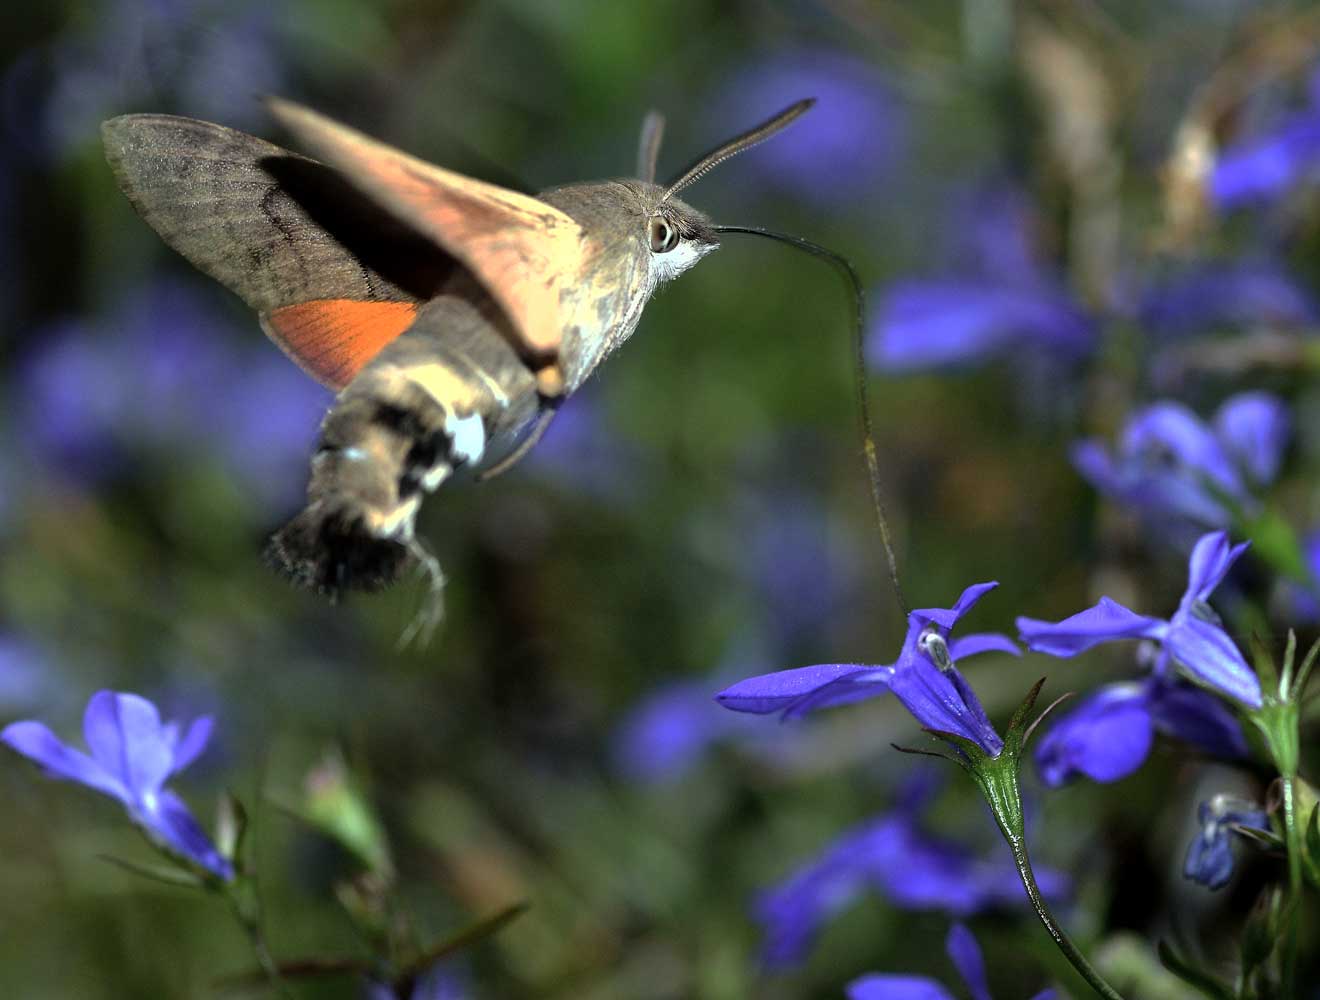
333	275
520	248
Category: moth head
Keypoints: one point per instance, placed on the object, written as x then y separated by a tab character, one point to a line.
677	235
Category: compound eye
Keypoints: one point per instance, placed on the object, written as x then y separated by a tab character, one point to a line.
664	237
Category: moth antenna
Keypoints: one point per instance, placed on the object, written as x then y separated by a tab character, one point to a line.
844	266
648	148
706	163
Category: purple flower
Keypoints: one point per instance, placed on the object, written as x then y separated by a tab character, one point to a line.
1173	467
1301	602
840	153
669	731
965	954
214	57
1265	167
1001	299
893	856
1234	295
133	754
439	982
929	324
1210	854
1110	733
923	678
1193	638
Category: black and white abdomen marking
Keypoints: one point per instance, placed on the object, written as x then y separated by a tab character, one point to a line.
435	400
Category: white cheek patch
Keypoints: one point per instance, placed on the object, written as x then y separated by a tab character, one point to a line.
467	436
668	266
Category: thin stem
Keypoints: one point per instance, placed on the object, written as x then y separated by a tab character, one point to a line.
1294	841
257	939
1018	845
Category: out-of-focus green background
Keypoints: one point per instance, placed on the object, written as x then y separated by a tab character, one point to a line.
700	514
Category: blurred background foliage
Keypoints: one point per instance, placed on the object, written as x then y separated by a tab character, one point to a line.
1038	172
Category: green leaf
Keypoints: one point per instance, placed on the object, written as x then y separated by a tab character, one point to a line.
1191	975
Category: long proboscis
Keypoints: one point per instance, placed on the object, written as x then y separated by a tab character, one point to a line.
707	162
844	266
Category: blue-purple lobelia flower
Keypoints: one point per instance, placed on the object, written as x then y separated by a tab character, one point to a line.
440	982
965	954
1000	299
1210	857
1174	468
133	754
1193	639
1227	295
924	678
894	857
1110	733
1262	168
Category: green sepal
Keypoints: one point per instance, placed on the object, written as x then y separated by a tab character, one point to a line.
474	933
1192	975
175	875
1263	660
231	826
1261	931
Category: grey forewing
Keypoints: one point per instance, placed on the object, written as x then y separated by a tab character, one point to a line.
274	227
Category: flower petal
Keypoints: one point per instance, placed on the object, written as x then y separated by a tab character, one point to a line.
946	618
982	642
193	743
1254	427
125	735
1197	717
938	702
1105	622
1211	560
774	692
882	986
844	691
1106	737
174	826
1205	651
966	956
35	741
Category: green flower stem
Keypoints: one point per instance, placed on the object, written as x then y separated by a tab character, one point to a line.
998	779
1293	839
245	905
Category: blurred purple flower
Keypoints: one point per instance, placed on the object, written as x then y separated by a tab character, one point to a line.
1173	467
133	755
1210	854
1301	602
214	58
669	731
439	982
24	672
1110	733
1000	299
581	451
965	954
893	856
840	153
789	553
923	678
1227	295
1193	639
1264	167
161	372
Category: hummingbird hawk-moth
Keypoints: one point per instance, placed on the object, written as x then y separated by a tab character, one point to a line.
450	314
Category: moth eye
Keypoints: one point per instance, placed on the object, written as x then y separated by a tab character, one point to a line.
664	237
